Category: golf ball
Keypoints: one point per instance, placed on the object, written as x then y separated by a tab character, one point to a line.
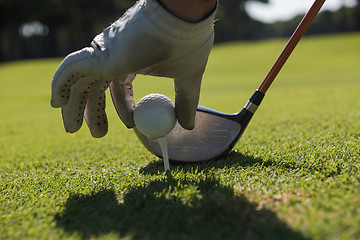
154	115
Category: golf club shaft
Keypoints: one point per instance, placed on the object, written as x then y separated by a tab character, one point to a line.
293	41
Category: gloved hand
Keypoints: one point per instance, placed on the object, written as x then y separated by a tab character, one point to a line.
148	40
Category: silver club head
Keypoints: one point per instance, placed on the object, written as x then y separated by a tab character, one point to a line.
215	134
210	138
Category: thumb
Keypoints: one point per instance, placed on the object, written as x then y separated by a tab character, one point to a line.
187	92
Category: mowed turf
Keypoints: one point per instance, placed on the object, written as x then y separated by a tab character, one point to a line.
295	173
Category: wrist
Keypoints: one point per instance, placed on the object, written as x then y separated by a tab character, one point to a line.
175	27
190	10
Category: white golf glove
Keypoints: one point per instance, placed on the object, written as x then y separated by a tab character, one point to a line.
148	40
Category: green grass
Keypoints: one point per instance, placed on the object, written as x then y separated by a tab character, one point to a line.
295	173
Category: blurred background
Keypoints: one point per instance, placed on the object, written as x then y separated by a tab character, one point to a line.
52	28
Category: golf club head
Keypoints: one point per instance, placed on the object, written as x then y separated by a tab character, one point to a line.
215	134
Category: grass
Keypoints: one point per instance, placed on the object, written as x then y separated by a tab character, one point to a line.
295	173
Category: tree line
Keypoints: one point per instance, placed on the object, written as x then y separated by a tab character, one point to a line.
51	28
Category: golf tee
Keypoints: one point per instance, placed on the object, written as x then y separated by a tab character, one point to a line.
163	145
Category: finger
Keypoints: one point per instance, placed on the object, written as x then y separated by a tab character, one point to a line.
187	92
74	67
73	111
95	114
123	99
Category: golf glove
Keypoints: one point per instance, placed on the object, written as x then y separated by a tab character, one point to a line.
147	40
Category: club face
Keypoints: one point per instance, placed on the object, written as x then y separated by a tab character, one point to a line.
214	134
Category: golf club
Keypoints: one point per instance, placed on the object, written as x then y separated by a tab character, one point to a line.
216	133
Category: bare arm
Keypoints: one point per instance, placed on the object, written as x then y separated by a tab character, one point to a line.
190	10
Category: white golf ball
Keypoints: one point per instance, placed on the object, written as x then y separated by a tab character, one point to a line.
154	115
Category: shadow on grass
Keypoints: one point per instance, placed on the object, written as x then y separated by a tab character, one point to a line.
233	159
172	209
